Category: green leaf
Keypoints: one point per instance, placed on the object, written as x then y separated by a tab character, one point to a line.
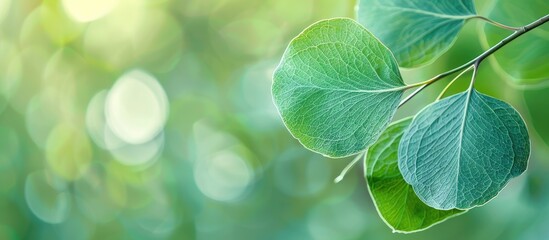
416	31
395	200
525	58
337	87
461	151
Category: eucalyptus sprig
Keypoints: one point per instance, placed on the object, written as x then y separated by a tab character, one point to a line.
338	87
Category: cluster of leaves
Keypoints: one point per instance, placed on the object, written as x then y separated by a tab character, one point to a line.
338	87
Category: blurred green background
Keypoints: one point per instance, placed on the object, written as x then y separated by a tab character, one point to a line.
153	119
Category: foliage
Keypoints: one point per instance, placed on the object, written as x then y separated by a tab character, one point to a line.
395	199
459	152
337	88
315	91
426	29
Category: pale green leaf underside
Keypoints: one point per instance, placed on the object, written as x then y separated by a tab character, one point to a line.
337	87
461	151
526	58
416	31
395	200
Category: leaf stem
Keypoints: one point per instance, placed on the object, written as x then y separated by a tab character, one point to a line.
413	85
349	166
474	77
477	60
452	82
497	24
510	38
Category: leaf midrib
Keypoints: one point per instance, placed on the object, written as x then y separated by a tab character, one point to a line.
462	129
423	12
395	89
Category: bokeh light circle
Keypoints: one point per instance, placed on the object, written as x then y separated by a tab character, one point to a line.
10	70
46	202
137	36
68	151
136	107
95	197
223	177
299	173
142	155
95	119
42	115
96	123
56	24
88	10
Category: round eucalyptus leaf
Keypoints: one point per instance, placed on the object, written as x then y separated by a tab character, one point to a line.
395	200
337	87
461	151
416	31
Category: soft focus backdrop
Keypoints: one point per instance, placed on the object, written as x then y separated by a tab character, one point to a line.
153	119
